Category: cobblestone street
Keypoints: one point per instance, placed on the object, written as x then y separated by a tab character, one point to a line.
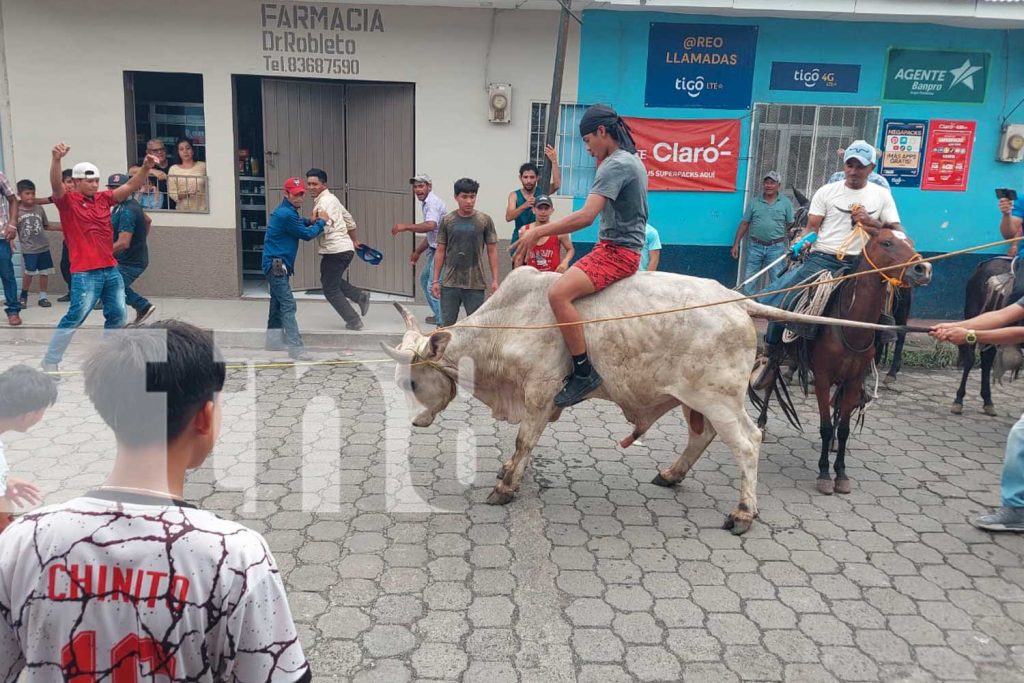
397	570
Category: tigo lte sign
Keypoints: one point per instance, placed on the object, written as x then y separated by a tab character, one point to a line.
936	76
700	155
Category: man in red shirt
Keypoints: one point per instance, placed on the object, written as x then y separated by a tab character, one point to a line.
85	220
547	255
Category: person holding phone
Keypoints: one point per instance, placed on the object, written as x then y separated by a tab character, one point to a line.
1010	225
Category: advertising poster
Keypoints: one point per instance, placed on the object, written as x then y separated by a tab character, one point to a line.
902	152
936	76
706	66
697	155
947	157
802	76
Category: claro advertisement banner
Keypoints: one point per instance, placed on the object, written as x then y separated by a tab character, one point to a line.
699	155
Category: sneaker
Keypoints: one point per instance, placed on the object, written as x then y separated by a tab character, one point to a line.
23	299
45	303
364	305
64	299
1007	519
430	320
14	320
143	315
577	388
301	356
357	325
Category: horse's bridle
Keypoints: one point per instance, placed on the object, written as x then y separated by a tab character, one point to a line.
893	281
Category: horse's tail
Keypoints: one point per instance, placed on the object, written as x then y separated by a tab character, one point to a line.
756	310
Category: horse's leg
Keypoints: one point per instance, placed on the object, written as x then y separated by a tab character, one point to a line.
967	362
988	357
822	384
530	430
897	360
696	444
848	401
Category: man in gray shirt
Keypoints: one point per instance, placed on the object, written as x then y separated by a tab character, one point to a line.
619	196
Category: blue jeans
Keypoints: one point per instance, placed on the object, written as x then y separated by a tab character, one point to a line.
1012	487
130	274
282	318
87	288
758	257
11	303
426	278
815	262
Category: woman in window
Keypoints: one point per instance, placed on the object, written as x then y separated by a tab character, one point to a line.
186	180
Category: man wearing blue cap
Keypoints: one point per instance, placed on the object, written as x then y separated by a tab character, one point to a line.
835	208
131	247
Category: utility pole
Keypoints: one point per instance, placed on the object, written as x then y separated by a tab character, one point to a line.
555	104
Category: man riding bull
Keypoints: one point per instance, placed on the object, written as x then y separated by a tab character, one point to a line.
619	196
835	209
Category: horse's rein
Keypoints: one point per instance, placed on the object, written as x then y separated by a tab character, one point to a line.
865	237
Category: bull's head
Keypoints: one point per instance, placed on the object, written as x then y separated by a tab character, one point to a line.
428	385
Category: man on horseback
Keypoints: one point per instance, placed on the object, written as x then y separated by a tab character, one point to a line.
836	208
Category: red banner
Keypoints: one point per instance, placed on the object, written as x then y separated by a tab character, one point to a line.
696	155
947	157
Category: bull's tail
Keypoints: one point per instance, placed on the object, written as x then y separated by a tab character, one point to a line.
756	310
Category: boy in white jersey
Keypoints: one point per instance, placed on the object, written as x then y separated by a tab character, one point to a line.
130	581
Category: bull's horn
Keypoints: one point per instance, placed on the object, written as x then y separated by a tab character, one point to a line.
409	318
398	354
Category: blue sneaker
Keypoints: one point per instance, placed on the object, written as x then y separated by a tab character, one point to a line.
1007	519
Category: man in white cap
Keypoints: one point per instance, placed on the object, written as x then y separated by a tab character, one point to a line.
85	220
835	208
434	210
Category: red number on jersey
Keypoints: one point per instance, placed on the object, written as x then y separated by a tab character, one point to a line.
78	659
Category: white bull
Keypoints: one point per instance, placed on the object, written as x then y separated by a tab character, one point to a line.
698	359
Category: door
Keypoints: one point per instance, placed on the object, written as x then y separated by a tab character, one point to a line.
303	128
379	131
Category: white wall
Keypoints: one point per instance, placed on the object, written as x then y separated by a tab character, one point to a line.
65	62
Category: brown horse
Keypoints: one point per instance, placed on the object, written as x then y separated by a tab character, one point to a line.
841	356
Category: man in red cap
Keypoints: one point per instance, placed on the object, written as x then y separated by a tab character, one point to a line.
284	230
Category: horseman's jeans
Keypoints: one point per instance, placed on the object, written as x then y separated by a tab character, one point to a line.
815	261
758	257
11	304
1012	488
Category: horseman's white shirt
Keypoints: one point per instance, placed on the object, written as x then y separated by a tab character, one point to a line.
835	201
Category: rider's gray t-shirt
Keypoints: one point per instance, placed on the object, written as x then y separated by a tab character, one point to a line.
622	179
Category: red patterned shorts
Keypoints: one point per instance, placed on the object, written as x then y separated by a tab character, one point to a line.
607	263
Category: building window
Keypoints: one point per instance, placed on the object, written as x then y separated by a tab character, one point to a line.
802	142
165	116
576	163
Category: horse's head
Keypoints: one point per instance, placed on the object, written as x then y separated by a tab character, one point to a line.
889	248
428	385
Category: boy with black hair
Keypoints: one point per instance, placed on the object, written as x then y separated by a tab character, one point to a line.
25	394
35	247
619	197
130	577
462	238
522	202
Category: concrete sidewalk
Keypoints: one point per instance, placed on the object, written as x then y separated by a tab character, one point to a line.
239	322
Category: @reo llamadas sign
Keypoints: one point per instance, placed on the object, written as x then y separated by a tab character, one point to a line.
936	76
315	39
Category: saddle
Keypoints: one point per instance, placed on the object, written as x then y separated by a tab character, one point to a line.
811	301
998	288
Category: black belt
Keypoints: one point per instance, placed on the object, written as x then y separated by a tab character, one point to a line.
767	244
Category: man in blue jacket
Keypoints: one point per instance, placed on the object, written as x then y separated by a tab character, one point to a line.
284	230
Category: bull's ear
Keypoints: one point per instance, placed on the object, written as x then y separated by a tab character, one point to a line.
438	342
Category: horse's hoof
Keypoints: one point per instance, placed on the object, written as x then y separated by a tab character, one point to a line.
737	527
499	498
990	410
826	487
957	409
842	485
889	381
663	482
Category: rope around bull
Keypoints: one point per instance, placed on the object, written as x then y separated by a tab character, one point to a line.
592	321
693	307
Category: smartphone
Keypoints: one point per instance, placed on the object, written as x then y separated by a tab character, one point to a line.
1006	193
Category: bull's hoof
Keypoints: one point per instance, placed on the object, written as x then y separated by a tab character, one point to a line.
738	525
825	487
499	498
843	485
662	481
990	410
957	408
